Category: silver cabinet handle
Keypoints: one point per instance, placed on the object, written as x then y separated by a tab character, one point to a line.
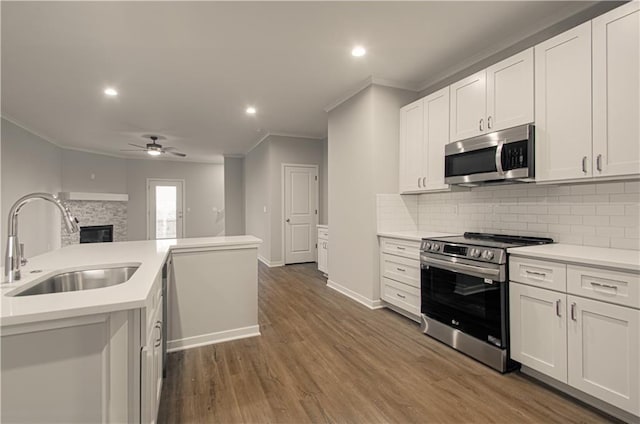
400	248
419	182
539	274
599	163
480	125
159	339
584	164
606	286
558	308
424	182
401	296
401	269
573	312
489	122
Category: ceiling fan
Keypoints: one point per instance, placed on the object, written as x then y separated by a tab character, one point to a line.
154	148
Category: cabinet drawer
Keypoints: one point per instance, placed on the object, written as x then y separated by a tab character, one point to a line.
401	295
610	286
401	269
406	248
323	234
548	275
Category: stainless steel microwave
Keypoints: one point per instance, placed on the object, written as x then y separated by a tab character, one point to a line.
501	156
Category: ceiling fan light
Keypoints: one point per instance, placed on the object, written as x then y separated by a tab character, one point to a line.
154	152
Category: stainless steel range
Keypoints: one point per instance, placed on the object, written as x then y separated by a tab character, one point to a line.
465	297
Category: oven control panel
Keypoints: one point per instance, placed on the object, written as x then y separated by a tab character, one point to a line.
477	253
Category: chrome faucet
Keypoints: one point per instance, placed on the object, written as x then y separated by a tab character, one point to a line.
14	255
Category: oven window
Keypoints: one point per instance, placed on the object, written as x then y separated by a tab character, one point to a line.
474	162
465	302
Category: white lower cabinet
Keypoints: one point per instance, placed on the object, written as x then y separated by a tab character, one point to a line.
538	323
400	276
603	352
323	250
577	338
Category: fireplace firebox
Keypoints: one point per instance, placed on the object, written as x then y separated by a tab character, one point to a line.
96	234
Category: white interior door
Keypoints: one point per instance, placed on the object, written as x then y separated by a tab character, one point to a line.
165	215
300	213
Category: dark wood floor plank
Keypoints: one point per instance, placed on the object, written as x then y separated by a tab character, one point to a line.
323	358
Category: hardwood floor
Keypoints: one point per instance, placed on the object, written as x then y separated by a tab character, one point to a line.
324	358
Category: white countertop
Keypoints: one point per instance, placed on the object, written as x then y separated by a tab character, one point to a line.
595	256
412	235
326	227
133	294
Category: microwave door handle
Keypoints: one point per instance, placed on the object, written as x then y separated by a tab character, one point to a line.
499	157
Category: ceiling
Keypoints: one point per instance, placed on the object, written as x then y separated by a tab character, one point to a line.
188	70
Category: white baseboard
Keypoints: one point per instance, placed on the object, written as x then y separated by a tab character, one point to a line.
369	303
213	338
269	263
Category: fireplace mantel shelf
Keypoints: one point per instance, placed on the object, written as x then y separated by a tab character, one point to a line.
102	197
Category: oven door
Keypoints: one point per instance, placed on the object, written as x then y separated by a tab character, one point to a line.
473	304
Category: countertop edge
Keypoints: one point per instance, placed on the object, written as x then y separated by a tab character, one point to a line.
577	259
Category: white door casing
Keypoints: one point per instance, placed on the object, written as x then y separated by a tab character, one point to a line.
174	223
300	212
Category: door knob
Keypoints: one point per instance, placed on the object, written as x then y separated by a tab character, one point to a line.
288	220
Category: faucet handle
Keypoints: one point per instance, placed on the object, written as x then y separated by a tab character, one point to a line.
23	260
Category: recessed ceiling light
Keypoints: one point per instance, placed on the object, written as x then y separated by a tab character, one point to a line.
111	92
251	110
358	51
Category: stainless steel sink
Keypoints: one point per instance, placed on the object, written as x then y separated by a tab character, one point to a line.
81	280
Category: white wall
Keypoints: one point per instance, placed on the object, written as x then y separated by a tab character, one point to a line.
30	164
109	173
263	188
234	220
363	161
324	184
204	191
257	194
294	151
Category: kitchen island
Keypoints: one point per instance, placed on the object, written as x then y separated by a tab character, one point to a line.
95	355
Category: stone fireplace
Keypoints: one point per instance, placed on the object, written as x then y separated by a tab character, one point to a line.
97	213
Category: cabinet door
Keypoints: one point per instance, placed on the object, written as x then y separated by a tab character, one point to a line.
604	344
158	357
510	92
322	255
411	141
147	384
468	107
616	91
563	105
436	136
539	329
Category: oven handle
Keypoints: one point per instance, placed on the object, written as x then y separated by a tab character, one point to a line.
460	268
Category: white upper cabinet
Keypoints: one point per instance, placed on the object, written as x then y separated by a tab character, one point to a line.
563	105
468	106
436	136
616	91
496	98
411	142
424	131
510	92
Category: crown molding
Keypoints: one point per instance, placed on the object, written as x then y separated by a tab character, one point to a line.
99	152
283	134
367	82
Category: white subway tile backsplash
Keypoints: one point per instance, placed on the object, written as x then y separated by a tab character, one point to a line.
594	214
609	188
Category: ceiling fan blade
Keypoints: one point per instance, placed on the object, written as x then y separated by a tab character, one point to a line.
137	145
133	150
182	155
169	148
